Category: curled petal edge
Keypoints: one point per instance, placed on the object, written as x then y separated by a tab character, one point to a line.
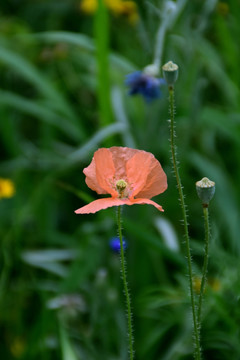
102	204
145	201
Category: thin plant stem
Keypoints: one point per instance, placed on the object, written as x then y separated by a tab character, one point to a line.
161	33
168	16
197	351
125	285
205	262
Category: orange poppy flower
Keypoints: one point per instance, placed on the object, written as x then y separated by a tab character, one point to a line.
130	176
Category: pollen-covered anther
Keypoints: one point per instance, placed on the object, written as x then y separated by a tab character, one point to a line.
121	186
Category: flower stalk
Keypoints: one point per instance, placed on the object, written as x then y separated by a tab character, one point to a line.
205	190
169	13
205	263
197	351
125	286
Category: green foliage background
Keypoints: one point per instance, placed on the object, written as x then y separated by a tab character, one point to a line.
62	96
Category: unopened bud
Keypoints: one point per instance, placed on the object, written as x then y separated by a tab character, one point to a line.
170	73
205	190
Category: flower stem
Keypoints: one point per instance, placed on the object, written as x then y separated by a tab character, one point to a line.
168	16
126	291
205	262
161	33
197	351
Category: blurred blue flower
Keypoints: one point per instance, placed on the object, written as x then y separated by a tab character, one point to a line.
146	85
114	244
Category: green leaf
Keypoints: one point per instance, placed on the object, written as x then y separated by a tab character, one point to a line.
28	71
68	352
45	114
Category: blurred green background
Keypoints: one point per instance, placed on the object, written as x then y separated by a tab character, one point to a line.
62	95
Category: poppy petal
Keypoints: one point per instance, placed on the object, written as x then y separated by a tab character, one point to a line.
120	157
91	178
105	170
156	182
145	201
100	204
137	169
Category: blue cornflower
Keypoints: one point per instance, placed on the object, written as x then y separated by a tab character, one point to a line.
114	244
144	84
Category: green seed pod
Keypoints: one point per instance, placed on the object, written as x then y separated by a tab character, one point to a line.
170	73
205	190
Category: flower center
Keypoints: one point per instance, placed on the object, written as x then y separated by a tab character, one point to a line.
121	187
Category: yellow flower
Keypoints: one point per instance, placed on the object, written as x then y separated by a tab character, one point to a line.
223	8
89	6
213	283
17	347
7	188
117	7
129	9
197	284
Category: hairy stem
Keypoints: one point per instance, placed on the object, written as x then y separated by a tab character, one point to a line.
184	214
205	262
125	285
